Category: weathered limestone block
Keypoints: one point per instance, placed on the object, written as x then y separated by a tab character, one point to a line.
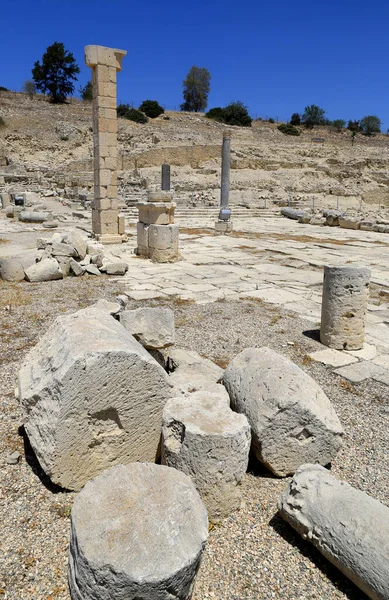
292	213
142	233
350	528
34	217
119	267
160	196
137	531
292	420
349	222
344	306
163	243
92	270
76	268
158	213
317	220
332	217
64	264
152	327
92	397
11	269
61	249
205	439
47	269
190	372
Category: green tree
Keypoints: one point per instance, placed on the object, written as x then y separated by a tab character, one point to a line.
29	88
86	92
295	119
216	114
57	72
236	114
313	115
370	125
196	89
125	111
353	126
151	108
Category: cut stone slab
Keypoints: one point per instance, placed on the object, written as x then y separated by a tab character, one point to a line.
92	397
292	420
350	528
61	249
11	269
360	371
179	358
368	352
349	222
335	358
112	308
152	327
137	531
116	268
205	439
47	269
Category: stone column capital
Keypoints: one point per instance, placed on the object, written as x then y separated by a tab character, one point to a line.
101	55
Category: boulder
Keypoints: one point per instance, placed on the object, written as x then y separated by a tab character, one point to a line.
91	269
205	439
152	327
137	532
62	249
64	264
350	528
47	269
11	269
92	397
292	420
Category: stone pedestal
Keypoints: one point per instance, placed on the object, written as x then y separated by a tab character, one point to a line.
105	62
223	226
157	236
344	305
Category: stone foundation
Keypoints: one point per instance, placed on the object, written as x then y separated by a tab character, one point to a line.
157	236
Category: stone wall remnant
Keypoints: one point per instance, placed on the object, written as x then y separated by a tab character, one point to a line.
137	531
350	528
344	306
105	62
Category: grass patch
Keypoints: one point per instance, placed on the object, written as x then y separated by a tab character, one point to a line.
222	361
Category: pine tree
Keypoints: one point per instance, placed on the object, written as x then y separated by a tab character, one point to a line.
57	72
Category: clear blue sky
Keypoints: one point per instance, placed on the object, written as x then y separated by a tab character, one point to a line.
276	57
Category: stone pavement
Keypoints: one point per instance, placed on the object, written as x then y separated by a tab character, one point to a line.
277	261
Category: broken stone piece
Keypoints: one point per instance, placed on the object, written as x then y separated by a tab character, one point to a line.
292	420
11	269
152	327
47	269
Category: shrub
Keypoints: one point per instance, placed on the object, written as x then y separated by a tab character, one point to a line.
3	89
126	112
353	126
216	114
29	88
236	114
288	129
86	92
151	108
295	119
338	124
271	120
370	125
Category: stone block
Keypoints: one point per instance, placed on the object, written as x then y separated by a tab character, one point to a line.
367	225
160	196
152	327
137	532
29	216
350	528
292	420
76	268
64	265
164	256
121	224
62	249
79	243
223	226
11	269
142	235
110	228
205	439
92	397
349	222
163	237
118	267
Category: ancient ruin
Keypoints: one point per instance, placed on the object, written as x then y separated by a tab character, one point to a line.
157	236
107	225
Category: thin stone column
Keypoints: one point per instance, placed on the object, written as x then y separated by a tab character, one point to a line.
224	224
165	184
105	62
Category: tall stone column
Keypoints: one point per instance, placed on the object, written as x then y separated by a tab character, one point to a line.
105	62
165	184
224	224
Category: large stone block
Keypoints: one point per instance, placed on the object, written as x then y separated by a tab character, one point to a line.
292	420
137	532
205	439
344	307
350	528
92	397
11	269
152	327
47	269
163	237
142	235
79	243
190	372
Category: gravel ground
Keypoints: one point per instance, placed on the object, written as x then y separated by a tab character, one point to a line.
252	554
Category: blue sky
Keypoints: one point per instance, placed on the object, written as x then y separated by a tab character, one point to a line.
276	57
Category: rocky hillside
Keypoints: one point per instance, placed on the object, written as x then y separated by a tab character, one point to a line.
45	146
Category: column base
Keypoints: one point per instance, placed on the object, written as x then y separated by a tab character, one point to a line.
110	238
223	226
